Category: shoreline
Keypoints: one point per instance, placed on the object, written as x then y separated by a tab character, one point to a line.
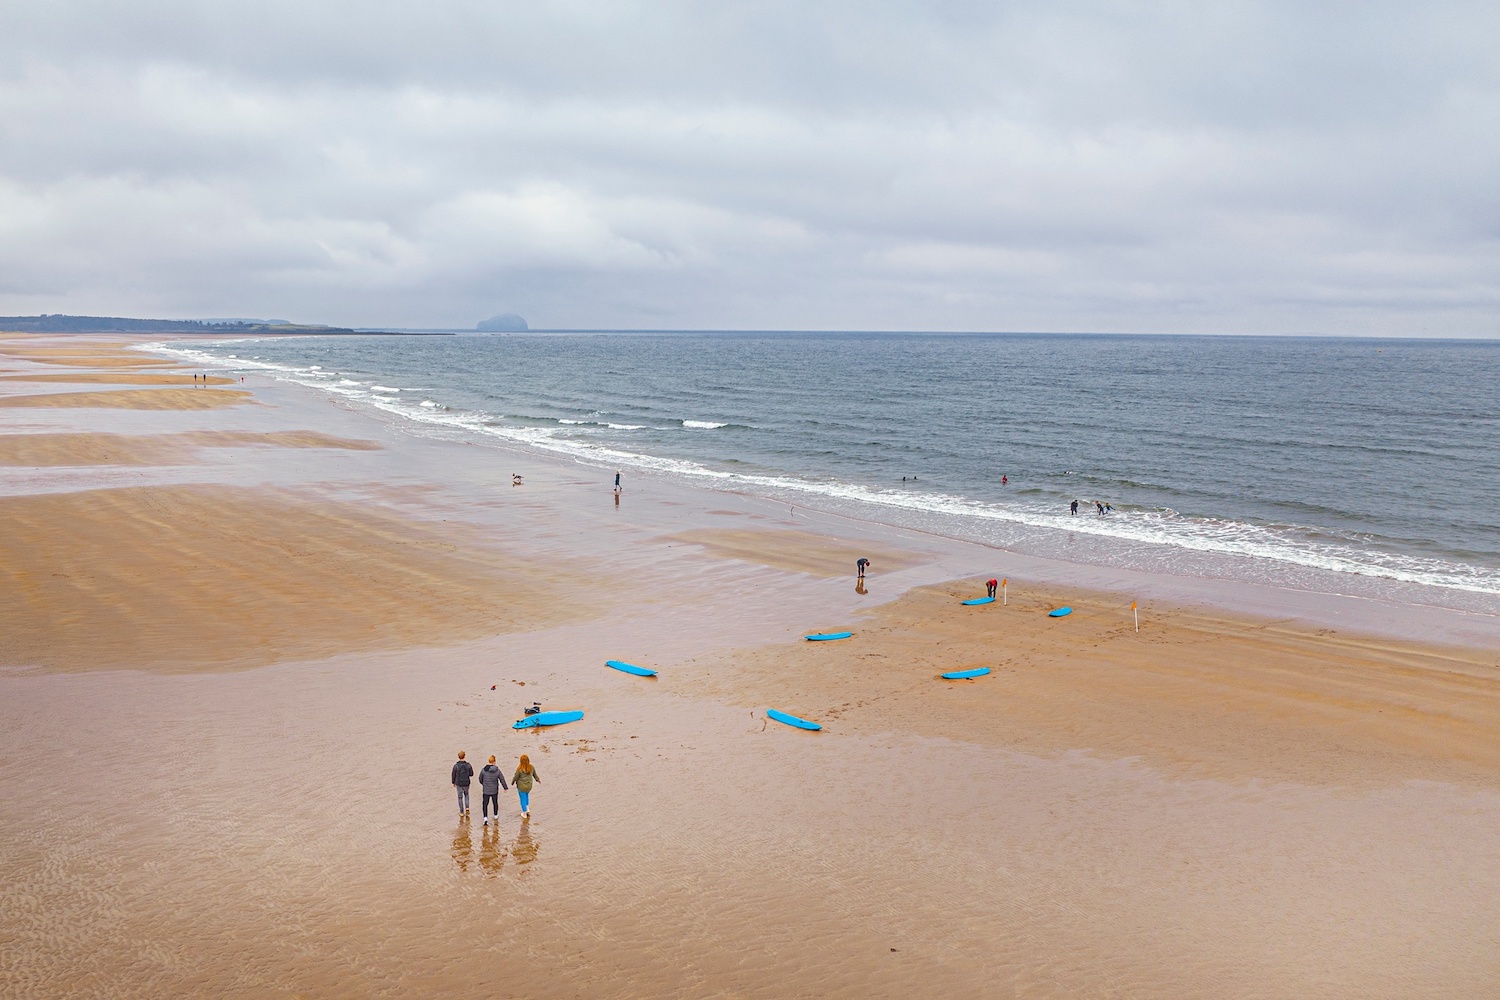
1221	806
1404	617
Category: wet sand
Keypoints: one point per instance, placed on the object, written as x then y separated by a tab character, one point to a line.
792	550
121	378
1222	806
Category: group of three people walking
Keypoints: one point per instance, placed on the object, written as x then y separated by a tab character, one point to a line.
491	782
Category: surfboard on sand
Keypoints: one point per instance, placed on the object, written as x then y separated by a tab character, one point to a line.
791	720
547	719
630	668
827	636
1060	613
960	675
981	600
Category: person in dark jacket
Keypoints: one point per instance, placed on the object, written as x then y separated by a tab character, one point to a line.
462	772
490	783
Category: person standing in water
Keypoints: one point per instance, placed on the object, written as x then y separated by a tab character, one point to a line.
861	566
1073	508
490	783
523	779
462	772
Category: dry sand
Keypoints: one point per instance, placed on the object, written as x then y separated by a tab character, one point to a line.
1195	693
68	449
107	354
135	399
193	578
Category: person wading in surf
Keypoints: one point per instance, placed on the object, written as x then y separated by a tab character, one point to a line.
523	779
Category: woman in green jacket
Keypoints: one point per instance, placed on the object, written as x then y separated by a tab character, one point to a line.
523	778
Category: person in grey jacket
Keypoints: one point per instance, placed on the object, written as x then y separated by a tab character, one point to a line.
491	780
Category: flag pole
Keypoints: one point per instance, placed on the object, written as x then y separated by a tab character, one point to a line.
1137	614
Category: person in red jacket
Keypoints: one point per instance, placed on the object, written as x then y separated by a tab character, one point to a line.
992	584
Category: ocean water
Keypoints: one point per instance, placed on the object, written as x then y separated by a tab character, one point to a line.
1350	466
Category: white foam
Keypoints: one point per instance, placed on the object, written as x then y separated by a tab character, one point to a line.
383	388
1288	545
707	425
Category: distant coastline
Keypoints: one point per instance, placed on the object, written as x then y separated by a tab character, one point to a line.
59	323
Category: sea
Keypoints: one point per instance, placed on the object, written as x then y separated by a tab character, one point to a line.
1353	466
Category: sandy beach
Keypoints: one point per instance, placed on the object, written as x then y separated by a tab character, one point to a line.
244	631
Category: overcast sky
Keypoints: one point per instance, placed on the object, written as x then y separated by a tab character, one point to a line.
1256	168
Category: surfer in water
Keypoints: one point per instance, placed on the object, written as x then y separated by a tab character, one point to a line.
990	585
523	779
861	566
1074	508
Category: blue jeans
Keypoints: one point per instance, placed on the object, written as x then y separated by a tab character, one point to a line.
525	799
463	798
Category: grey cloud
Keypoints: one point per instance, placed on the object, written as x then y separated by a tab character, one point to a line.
1242	167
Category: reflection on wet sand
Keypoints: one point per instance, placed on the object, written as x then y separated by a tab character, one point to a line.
525	848
859	587
491	854
463	847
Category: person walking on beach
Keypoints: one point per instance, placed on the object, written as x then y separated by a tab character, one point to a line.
523	779
617	479
861	566
462	772
990	585
490	783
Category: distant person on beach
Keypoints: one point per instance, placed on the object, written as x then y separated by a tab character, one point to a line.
861	566
617	479
490	783
1074	508
523	779
462	772
991	585
515	479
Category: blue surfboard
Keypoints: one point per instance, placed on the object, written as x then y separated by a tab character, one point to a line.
630	668
827	636
547	719
1060	613
958	675
791	720
981	600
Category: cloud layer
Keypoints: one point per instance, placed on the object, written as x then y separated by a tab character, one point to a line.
1277	168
